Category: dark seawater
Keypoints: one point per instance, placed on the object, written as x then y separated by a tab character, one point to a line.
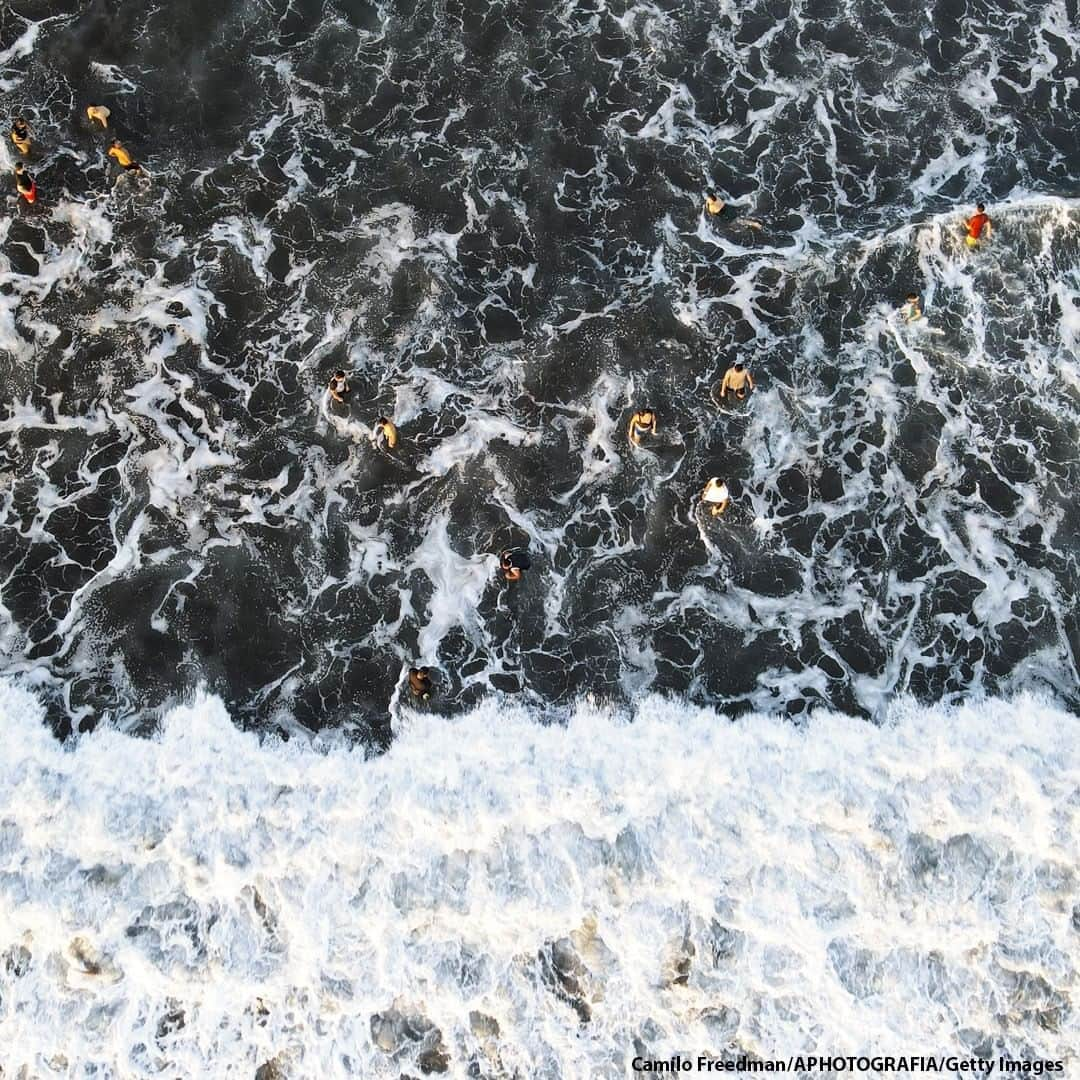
491	216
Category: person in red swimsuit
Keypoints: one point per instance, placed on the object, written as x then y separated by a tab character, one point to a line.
977	225
24	183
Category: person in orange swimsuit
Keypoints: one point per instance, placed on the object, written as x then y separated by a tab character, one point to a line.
978	225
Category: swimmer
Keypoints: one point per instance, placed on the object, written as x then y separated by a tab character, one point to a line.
98	113
513	563
713	204
123	158
642	423
420	683
738	380
339	387
978	225
20	135
911	310
24	183
717	496
385	433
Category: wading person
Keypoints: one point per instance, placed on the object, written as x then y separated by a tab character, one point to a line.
24	183
513	563
641	424
978	226
124	159
99	114
420	683
339	387
385	434
738	380
20	135
716	496
911	309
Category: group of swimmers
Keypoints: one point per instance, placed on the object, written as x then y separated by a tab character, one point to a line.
738	382
22	137
384	434
977	228
513	562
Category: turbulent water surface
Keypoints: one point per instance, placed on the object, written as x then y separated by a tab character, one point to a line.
491	216
502	899
493	219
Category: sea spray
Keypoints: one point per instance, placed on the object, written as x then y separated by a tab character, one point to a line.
550	900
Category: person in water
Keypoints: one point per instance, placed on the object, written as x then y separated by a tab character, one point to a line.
20	135
716	496
978	226
738	380
385	433
714	204
511	564
420	683
911	309
124	159
98	114
24	183
339	387
642	423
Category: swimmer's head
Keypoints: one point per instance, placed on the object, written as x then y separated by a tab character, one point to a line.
382	421
646	415
912	297
981	208
20	167
739	365
339	374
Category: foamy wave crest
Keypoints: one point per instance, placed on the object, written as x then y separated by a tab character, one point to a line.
494	897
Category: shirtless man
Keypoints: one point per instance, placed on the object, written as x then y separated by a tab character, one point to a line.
124	159
738	380
98	113
385	433
714	204
420	683
513	563
24	183
20	135
642	423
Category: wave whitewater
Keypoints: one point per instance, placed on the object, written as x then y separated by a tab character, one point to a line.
494	897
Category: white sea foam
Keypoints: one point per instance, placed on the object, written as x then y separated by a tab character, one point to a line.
199	903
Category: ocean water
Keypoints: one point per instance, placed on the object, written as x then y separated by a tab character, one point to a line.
498	897
800	778
492	217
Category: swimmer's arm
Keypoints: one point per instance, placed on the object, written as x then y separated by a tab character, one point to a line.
749	380
635	438
652	427
725	384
